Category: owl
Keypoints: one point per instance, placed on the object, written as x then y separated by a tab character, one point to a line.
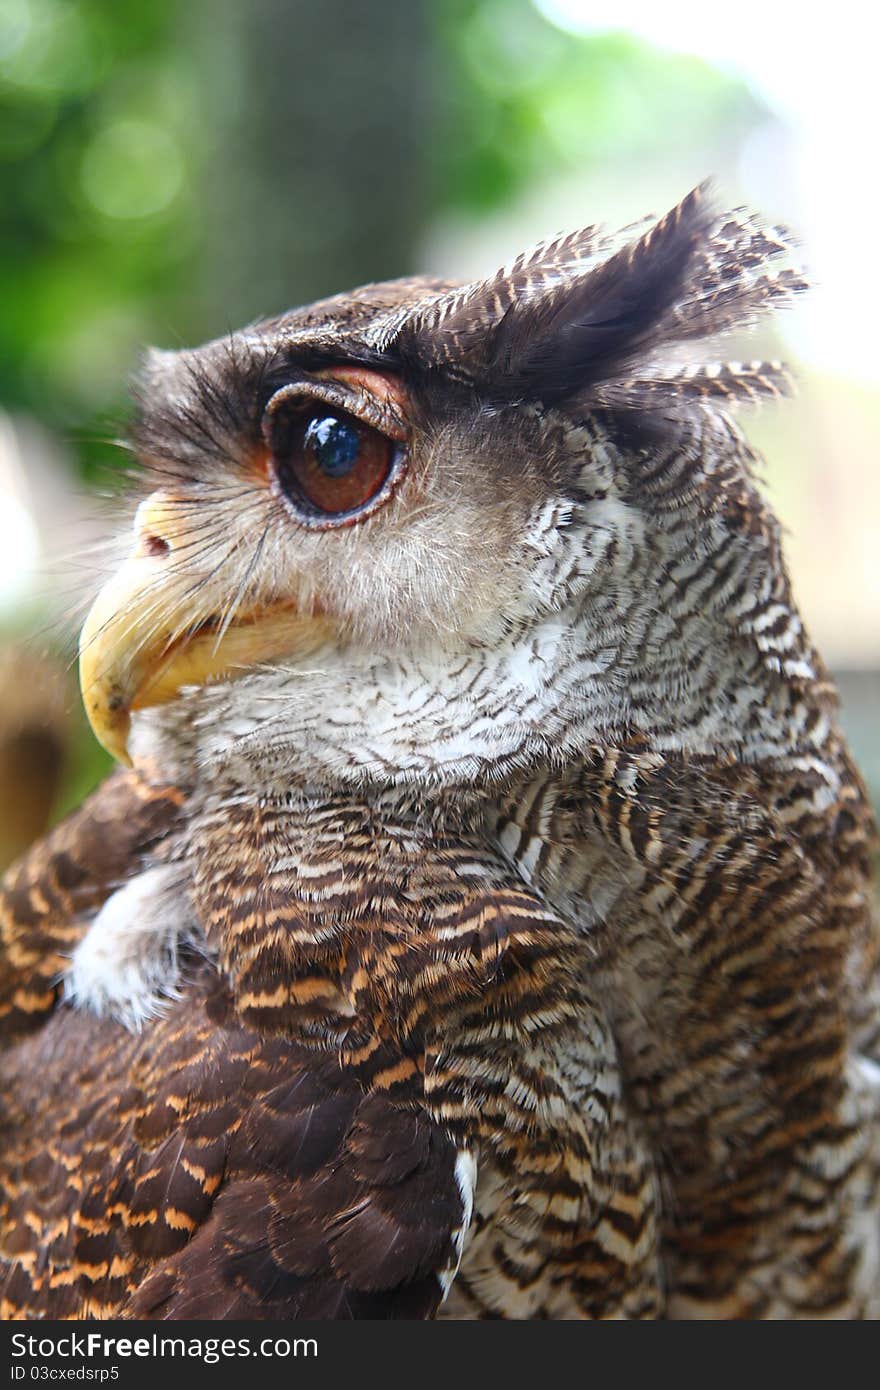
479	924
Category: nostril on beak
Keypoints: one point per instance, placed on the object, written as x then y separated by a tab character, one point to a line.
155	545
157	525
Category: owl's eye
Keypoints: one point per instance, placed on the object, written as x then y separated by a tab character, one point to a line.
330	465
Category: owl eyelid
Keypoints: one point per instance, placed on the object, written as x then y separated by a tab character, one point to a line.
361	404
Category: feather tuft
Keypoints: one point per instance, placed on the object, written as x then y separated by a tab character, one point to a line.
590	317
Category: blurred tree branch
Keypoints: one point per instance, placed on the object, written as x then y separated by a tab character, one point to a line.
319	127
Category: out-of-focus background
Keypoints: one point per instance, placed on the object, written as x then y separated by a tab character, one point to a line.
169	171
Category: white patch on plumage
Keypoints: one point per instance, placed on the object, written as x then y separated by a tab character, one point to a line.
466	1179
870	1073
127	965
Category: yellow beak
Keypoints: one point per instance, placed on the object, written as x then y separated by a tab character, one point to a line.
141	641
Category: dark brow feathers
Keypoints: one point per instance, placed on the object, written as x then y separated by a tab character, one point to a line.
580	318
199	404
206	404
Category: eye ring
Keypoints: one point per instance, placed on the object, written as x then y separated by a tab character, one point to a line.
330	464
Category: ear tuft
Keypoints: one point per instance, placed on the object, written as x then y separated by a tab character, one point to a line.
733	383
583	333
585	317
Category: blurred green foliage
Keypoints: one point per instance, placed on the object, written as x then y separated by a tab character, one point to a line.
99	134
523	98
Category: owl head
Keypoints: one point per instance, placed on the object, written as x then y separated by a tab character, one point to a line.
434	532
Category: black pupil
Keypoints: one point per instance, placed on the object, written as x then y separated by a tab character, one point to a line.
333	444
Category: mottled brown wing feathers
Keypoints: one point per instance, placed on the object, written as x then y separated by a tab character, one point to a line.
204	1171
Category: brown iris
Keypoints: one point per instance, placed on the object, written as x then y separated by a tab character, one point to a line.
331	465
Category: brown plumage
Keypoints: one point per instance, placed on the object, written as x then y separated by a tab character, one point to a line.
484	926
